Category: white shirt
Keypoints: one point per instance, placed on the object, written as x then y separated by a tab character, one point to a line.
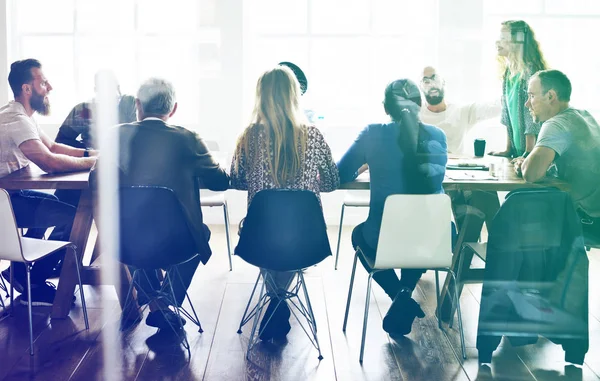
16	127
457	120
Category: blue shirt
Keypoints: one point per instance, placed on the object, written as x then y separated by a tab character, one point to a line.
377	146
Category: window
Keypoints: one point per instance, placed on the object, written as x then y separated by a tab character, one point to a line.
349	51
566	31
135	38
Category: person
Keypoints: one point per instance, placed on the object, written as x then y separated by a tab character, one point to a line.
456	120
78	122
280	150
154	152
519	56
21	143
404	156
569	140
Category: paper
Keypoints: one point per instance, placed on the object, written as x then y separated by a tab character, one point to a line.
469	175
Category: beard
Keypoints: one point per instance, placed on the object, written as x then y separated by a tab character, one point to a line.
39	103
435	100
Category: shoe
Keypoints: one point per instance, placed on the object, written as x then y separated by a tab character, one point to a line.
403	311
18	286
279	324
165	319
42	295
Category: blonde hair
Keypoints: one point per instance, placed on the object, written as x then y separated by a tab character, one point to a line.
277	112
529	59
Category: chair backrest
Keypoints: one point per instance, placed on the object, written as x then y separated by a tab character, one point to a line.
284	230
154	231
10	243
538	225
415	232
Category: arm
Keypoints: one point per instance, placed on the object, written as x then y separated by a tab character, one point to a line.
329	178
530	140
207	169
353	159
78	121
238	168
482	111
63	149
534	167
51	162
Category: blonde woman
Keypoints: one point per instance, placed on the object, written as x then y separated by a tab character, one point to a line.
280	150
519	57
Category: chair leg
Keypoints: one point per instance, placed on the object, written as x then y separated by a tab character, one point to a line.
29	310
257	315
85	315
438	312
125	308
12	289
460	325
170	287
364	332
337	252
312	315
350	292
194	318
226	216
244	316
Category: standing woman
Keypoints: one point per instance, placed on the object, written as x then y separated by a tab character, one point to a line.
404	156
280	150
519	57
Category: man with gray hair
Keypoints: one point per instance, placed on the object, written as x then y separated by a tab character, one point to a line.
153	152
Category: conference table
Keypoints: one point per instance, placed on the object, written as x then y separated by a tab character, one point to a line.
32	177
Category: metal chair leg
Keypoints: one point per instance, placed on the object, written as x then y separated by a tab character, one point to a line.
170	287
437	299
312	315
337	252
460	325
245	316
350	292
12	289
364	332
257	316
194	318
29	310
83	305
226	216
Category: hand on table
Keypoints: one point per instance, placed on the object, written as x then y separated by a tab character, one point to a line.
500	153
517	164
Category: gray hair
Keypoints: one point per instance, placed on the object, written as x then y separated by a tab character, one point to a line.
157	96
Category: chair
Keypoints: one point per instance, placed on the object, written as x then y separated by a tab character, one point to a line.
350	200
16	248
536	275
211	199
152	223
284	230
415	234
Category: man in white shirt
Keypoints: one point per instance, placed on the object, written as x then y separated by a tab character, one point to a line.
455	120
21	142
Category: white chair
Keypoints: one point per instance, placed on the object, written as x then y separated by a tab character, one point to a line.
211	199
16	248
352	199
415	234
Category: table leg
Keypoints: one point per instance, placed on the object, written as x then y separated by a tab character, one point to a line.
469	221
68	276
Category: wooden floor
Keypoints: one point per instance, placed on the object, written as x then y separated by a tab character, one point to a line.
65	351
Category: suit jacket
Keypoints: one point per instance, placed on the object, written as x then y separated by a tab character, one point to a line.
153	152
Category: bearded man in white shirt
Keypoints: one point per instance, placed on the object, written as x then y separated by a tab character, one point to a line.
456	120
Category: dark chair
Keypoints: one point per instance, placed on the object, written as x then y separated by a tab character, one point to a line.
536	275
154	234
284	230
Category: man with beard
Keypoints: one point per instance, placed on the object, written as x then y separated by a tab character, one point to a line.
21	142
570	139
454	120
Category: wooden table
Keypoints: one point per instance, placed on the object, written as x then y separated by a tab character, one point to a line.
32	177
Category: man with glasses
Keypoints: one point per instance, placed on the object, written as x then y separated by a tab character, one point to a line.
454	119
21	142
570	140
